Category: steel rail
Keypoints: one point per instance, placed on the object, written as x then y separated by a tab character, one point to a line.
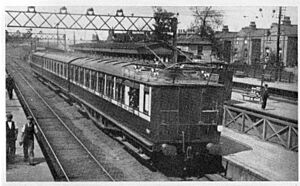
64	124
41	130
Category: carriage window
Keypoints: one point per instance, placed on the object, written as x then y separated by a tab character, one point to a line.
93	80
109	86
81	76
120	89
133	97
65	70
146	100
77	74
60	69
87	78
57	68
71	72
54	67
101	83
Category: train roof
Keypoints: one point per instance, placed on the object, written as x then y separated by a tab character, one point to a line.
134	69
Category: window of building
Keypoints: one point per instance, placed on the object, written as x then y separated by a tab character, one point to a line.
245	52
267	49
200	49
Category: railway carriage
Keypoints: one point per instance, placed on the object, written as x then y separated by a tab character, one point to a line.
163	113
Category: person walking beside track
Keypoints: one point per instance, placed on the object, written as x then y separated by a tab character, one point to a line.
27	140
10	86
11	137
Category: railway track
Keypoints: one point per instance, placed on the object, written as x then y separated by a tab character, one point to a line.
72	157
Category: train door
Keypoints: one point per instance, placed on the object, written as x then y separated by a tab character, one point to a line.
169	113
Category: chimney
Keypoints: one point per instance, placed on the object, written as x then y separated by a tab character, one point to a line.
286	21
225	28
252	25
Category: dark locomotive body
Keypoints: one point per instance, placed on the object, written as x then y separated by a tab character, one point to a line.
162	117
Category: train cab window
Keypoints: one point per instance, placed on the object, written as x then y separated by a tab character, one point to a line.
101	83
120	89
87	78
81	76
93	80
109	86
146	100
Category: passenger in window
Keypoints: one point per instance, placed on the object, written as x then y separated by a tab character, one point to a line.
133	98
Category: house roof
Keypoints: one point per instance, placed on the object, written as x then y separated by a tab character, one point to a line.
192	39
291	30
226	34
252	32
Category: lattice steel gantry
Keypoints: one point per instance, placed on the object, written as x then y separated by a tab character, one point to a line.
89	21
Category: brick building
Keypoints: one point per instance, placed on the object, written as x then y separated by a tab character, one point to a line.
251	45
190	42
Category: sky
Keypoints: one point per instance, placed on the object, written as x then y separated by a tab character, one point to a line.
235	17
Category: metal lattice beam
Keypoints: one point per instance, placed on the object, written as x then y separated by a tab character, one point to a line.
89	21
39	35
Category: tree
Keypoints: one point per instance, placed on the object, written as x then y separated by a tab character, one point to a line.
206	21
164	24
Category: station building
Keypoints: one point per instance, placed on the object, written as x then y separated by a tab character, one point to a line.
252	45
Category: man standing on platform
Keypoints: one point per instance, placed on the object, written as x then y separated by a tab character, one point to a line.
11	137
9	86
27	140
264	95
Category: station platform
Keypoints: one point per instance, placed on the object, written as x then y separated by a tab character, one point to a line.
262	159
19	170
274	107
276	85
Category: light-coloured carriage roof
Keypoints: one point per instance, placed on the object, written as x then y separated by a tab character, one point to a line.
127	68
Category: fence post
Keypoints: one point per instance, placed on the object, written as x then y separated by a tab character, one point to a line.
243	122
224	117
264	134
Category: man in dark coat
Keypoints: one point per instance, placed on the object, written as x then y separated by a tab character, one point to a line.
9	86
11	137
264	96
27	140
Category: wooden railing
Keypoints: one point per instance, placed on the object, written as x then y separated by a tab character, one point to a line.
277	130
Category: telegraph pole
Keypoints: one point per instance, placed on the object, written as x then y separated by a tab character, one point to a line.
174	30
278	44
